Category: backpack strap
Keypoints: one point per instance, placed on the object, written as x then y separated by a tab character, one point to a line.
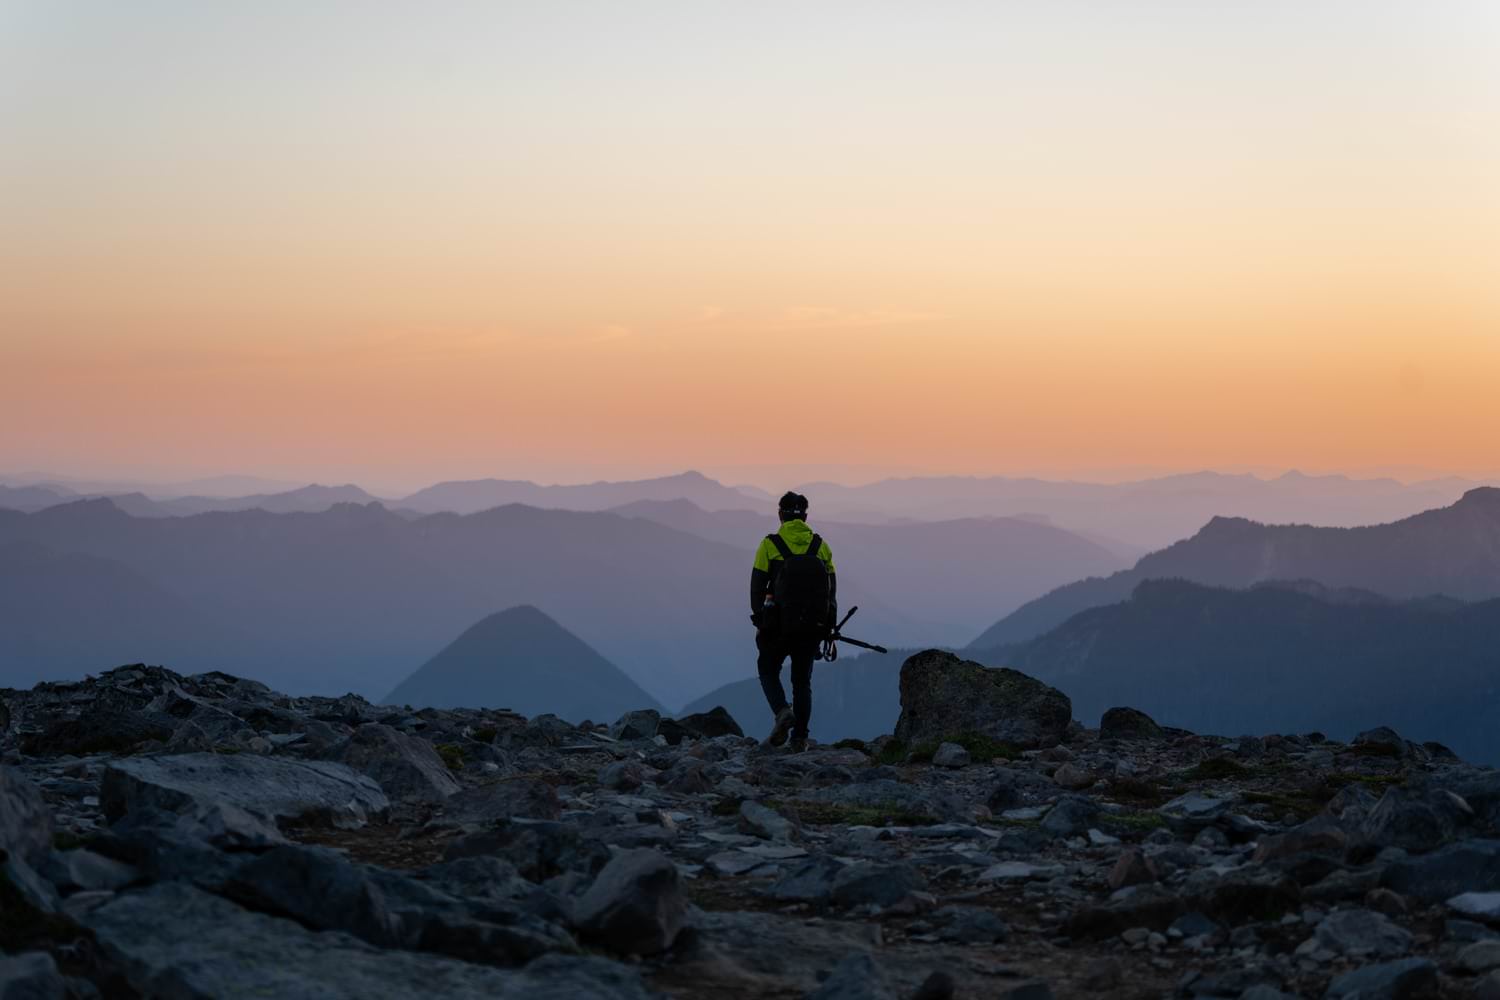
781	545
815	546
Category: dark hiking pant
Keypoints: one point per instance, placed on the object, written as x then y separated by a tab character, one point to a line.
774	648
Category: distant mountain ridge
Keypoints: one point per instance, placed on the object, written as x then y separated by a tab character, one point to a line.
955	572
476	495
1277	658
523	660
1452	551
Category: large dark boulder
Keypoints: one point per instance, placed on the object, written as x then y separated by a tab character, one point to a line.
636	905
407	768
25	820
1129	724
312	792
700	726
944	697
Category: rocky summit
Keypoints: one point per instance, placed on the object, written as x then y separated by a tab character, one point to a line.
203	836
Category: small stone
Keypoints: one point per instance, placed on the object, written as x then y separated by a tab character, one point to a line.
951	755
636	905
1402	980
1478	905
1132	868
1073	777
31	975
766	823
1479	957
1363	933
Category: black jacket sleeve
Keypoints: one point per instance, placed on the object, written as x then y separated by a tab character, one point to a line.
760	583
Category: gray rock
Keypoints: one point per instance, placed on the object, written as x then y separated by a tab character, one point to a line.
173	940
36	891
1196	810
229	828
868	882
1415	822
638	725
1478	905
1479	957
765	823
621	776
407	768
962	924
855	978
809	882
708	725
951	755
1383	739
635	906
1488	988
1464	867
1150	906
1363	933
943	696
504	800
1071	816
31	975
537	848
480	879
1128	724
25	820
1388	981
310	792
319	888
79	869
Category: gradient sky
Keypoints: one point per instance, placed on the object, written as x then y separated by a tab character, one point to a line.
398	242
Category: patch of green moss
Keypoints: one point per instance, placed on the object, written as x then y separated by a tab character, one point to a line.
1375	750
922	753
1215	769
486	735
728	806
892	752
1136	821
842	814
452	754
1137	790
981	748
1301	806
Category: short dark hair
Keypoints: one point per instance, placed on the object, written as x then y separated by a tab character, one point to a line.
792	505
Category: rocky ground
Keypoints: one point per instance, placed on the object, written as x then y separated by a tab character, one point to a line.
185	837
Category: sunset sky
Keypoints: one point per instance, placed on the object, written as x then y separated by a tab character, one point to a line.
400	242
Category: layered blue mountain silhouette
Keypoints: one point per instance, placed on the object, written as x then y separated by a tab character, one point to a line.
522	660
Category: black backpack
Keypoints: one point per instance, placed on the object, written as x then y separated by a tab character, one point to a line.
801	588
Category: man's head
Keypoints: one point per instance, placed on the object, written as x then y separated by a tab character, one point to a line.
793	507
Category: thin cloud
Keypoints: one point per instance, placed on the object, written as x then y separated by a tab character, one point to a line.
830	318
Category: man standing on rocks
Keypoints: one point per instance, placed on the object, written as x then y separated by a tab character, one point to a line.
793	603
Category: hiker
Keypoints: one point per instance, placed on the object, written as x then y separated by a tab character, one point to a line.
793	603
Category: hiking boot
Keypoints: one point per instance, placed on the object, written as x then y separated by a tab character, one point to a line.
782	729
798	744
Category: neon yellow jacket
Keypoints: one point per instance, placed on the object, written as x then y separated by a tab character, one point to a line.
798	536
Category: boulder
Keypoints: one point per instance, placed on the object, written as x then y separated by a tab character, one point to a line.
867	882
173	940
25	820
308	792
1408	978
82	870
1477	905
500	801
765	823
1129	724
951	755
1362	933
638	725
855	978
31	975
407	768
944	697
708	725
636	906
1467	866
319	888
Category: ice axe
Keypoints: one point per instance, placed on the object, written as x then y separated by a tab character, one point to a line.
836	636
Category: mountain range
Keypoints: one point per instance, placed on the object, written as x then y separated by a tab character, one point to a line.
522	660
1454	551
356	596
1128	518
